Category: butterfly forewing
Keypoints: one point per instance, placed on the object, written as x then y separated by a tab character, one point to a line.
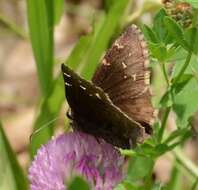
124	76
94	113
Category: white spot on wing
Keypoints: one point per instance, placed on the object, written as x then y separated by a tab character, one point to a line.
119	46
67	84
84	88
134	76
67	75
146	63
147	78
145	52
124	65
104	62
143	44
98	95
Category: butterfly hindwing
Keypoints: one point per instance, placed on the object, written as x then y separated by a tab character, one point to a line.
124	75
94	113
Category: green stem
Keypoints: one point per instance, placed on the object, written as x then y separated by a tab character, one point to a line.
186	162
167	111
183	68
13	27
163	67
163	125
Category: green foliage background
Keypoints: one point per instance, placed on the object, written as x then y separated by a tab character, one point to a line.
168	42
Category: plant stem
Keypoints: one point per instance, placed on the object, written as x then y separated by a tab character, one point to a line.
183	68
163	125
13	27
167	111
163	66
170	87
186	162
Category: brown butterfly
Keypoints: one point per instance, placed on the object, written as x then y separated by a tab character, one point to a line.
116	105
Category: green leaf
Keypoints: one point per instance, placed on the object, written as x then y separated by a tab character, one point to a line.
191	36
161	149
179	133
184	80
166	100
159	26
186	101
78	184
150	34
139	167
158	51
11	175
40	21
176	31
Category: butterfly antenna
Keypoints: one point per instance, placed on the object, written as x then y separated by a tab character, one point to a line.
42	127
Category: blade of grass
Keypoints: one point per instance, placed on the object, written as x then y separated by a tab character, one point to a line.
11	175
40	20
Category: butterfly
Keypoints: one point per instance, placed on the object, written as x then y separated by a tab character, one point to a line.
116	104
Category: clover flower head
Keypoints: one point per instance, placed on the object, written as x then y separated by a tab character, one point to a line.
76	154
